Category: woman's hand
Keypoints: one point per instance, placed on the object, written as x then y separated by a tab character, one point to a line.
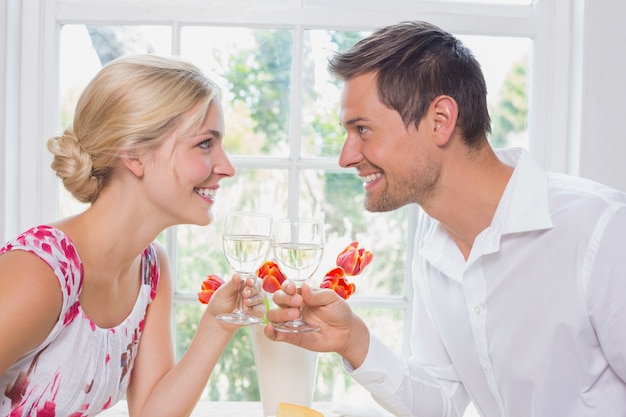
225	298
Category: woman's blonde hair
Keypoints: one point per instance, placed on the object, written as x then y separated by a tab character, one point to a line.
130	106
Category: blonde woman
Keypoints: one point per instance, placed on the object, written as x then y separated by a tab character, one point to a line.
85	302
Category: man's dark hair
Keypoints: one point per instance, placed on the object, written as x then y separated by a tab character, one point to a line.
415	62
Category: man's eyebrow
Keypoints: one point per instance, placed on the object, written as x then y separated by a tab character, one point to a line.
352	122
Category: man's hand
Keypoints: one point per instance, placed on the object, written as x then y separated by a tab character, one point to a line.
341	330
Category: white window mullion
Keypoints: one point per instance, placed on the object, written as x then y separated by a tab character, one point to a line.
9	133
549	95
176	47
38	108
295	117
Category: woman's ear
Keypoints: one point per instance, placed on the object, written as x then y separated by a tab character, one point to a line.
444	112
133	163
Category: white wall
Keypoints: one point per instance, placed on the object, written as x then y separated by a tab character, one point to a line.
25	190
602	117
3	95
9	52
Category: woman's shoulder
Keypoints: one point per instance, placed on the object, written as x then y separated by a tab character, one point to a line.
155	266
43	239
54	248
50	244
27	277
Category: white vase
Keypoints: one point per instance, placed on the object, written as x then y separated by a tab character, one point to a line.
286	373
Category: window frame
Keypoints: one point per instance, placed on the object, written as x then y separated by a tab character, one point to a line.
545	22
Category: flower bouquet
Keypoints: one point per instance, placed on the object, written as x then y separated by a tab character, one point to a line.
350	262
293	366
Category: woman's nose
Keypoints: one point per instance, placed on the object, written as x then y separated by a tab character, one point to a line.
223	166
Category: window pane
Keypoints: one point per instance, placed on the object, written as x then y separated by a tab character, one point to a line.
339	196
506	64
84	49
198	254
199	249
253	67
332	383
321	133
261	190
385	323
234	376
187	319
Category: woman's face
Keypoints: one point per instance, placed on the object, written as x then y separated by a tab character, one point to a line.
187	170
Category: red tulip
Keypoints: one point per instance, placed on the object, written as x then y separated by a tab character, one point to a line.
208	287
354	259
272	276
335	279
351	261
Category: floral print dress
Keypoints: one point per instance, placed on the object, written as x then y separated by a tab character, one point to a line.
80	369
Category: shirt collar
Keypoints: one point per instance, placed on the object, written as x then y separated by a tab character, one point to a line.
524	204
523	207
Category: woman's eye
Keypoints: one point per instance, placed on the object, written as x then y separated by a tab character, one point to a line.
205	144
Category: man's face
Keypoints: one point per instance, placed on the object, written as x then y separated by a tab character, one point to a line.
394	161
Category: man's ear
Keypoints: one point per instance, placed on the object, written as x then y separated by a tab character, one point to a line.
133	163
444	112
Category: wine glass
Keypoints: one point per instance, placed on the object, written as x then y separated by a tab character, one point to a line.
298	245
246	241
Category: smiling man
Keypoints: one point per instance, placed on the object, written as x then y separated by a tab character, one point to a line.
517	302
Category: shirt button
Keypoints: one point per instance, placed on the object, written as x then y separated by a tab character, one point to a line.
477	310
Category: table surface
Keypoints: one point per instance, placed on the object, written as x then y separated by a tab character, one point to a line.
361	408
253	409
204	409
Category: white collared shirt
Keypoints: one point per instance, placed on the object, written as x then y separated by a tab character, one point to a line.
533	324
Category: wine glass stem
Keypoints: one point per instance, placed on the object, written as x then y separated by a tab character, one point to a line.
239	309
299	318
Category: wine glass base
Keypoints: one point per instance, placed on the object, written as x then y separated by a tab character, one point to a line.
292	327
237	318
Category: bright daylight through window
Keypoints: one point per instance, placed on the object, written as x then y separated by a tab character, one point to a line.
283	137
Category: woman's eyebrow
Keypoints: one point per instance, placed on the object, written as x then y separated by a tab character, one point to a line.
210	132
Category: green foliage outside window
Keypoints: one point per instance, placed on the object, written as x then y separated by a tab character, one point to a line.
509	115
258	108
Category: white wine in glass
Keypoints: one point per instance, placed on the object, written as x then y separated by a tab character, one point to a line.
298	245
246	241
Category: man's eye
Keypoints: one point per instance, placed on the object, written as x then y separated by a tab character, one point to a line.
361	129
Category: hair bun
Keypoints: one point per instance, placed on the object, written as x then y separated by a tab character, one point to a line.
73	166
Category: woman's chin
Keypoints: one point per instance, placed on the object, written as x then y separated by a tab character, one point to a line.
205	220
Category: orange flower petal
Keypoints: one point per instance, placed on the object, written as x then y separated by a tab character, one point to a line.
354	259
336	281
271	275
208	288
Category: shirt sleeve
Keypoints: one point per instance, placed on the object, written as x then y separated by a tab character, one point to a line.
605	275
400	385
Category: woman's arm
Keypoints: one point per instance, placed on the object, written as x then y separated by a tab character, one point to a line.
30	299
158	386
